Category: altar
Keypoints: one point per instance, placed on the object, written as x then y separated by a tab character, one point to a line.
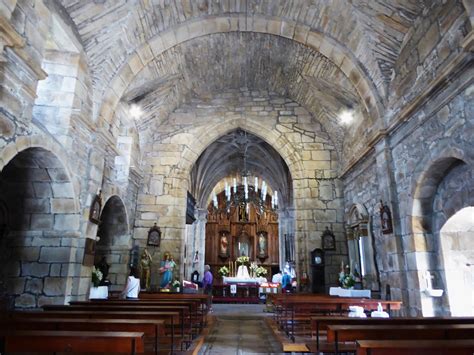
344	292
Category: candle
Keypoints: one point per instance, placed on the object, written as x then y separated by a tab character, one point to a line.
235	185
256	183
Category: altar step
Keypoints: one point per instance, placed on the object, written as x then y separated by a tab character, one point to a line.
239	300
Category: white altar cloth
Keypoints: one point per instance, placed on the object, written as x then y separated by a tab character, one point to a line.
241	280
100	292
344	292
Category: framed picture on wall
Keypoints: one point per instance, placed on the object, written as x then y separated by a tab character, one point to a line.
328	240
385	219
96	207
89	252
154	236
223	244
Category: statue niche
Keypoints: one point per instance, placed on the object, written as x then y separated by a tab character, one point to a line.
244	245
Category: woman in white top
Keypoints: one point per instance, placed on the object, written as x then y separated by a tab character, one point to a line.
132	287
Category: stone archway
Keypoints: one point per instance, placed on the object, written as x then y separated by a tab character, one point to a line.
42	220
444	188
114	239
457	247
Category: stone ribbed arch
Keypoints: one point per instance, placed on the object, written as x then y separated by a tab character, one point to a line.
36	141
430	173
278	141
317	41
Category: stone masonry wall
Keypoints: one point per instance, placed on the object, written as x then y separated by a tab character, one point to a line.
282	123
434	130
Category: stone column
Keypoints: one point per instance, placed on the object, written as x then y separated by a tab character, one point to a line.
286	225
393	245
199	242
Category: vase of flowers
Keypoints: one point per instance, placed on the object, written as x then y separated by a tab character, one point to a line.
243	260
176	285
346	279
96	276
223	271
261	271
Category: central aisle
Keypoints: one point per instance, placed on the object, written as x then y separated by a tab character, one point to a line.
240	329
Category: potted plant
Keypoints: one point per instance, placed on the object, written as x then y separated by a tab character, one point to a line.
96	276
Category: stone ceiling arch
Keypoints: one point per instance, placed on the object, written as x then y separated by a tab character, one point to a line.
336	52
223	159
180	174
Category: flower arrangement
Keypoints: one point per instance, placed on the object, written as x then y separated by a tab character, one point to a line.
176	284
223	271
242	260
346	279
253	268
261	271
96	276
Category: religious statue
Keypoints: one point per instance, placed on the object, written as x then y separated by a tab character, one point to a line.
166	269
242	213
145	266
262	245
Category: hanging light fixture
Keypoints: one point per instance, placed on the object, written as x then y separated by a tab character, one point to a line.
246	194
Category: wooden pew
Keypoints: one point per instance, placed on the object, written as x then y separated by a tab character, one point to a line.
152	329
319	324
185	321
170	318
415	347
350	333
71	341
197	317
297	310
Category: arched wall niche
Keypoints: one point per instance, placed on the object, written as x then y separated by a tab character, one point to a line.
443	187
360	244
43	220
114	242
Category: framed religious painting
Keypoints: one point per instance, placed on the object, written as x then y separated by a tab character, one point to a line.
328	240
224	244
262	245
96	207
154	236
385	219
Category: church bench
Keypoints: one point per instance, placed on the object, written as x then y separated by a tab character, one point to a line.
71	341
185	319
194	307
170	318
338	334
153	330
319	324
294	312
202	298
415	347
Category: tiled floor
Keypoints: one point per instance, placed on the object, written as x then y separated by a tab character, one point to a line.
239	329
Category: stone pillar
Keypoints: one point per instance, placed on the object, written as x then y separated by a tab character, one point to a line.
286	225
198	243
392	244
